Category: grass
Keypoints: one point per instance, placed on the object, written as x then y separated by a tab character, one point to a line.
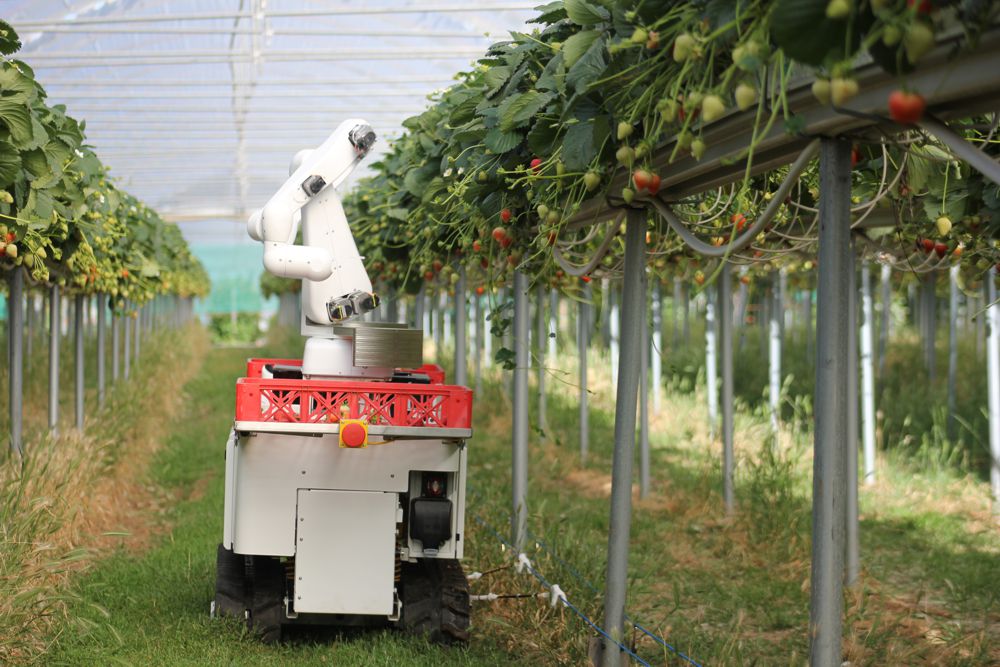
725	590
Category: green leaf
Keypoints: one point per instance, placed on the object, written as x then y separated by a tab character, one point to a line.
577	45
516	111
583	141
10	163
550	13
17	118
9	41
588	68
36	163
500	142
582	12
542	137
553	77
803	31
495	78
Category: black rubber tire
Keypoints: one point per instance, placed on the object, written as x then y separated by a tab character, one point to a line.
230	584
435	596
267	598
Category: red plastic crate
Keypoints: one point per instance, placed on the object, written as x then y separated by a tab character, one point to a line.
432	405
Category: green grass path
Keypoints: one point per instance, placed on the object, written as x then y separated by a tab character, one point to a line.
151	608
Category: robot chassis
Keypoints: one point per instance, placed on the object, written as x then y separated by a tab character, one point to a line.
345	470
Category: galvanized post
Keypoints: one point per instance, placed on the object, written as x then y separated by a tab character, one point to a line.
477	346
810	337
137	334
582	343
929	311
676	304
853	553
78	308
830	416
102	307
519	458
867	372
606	311
15	340
686	301
952	348
116	326
487	342
614	326
447	319
541	325
993	382
644	408
774	356
883	331
553	340
711	369
632	322
31	316
461	331
437	321
127	347
726	343
981	320
657	365
54	325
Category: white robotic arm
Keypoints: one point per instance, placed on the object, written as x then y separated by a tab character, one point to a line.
335	283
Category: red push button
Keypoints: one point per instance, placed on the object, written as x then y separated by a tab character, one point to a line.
353	434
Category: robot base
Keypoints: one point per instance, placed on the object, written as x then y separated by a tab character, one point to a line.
334	357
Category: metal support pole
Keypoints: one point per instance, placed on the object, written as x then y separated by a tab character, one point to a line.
437	322
461	331
686	301
54	311
15	343
726	343
102	308
657	365
632	322
830	415
993	382
614	326
137	334
952	348
711	369
447	319
883	331
867	373
541	326
644	408
676	303
553	339
582	343
477	369
31	317
981	320
127	347
519	458
116	329
774	355
810	336
78	307
853	553
487	342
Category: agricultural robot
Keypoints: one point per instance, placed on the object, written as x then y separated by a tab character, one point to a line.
345	470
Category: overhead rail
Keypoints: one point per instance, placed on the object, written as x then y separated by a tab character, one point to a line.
957	87
41	25
290	83
269	32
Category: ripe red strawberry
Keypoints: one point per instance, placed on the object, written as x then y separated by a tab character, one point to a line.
923	6
654	184
437	265
855	156
505	242
477	246
480	290
552	238
484	263
11	237
585	279
428	275
941	249
739	220
499	234
536	165
905	107
928	245
505	216
641	179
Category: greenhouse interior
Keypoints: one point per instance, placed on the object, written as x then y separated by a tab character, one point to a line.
590	332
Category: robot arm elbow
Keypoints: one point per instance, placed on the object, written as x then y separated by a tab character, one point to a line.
300	262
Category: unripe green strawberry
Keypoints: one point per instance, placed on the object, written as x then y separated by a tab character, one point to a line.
746	96
543	211
842	90
821	90
5	197
639	36
943	225
712	107
625	156
628	194
625	130
891	35
591	180
685	47
697	148
838	9
668	110
918	40
11	250
552	218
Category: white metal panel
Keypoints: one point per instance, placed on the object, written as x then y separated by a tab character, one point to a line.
345	552
229	506
270	468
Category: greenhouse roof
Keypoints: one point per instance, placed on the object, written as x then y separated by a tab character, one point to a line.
197	107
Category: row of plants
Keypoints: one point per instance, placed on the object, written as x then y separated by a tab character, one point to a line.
490	175
62	220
